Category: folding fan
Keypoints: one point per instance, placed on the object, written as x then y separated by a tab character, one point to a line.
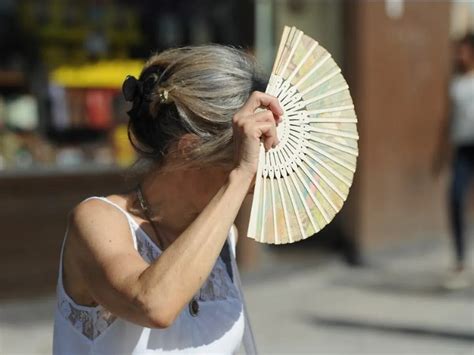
303	182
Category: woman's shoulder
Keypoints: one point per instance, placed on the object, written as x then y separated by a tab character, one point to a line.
102	205
97	215
96	233
91	206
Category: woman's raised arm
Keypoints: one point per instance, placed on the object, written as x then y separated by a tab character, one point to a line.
153	295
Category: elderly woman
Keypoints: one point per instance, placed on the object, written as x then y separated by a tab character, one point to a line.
150	271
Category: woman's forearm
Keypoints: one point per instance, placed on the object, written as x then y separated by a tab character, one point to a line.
171	281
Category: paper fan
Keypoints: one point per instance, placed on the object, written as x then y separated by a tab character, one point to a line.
303	182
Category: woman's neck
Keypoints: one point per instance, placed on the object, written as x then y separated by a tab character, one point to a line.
170	202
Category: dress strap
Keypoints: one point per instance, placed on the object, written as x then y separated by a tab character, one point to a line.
232	240
60	272
130	220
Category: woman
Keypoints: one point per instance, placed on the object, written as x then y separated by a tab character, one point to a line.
462	138
459	131
145	271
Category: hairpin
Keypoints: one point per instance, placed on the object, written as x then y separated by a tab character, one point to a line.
164	96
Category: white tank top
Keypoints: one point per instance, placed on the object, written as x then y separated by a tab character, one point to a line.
462	97
217	329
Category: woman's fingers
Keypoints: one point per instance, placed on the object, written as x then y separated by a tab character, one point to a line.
269	135
259	99
272	136
266	115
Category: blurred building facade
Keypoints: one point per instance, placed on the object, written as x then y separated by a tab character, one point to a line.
395	55
399	67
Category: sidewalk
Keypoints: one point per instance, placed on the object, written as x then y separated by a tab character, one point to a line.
302	304
395	306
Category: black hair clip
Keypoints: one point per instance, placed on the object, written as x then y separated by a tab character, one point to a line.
131	88
148	85
142	88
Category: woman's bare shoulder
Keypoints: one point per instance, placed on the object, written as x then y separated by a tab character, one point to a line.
94	216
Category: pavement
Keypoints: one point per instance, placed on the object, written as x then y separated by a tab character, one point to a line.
301	301
395	305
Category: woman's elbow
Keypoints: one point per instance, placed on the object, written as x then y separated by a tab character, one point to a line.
159	320
157	313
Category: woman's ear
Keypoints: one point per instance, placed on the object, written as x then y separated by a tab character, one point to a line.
187	143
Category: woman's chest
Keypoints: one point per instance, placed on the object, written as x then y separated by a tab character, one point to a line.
218	286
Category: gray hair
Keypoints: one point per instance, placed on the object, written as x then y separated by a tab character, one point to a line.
205	86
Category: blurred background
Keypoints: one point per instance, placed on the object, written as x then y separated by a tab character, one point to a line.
372	282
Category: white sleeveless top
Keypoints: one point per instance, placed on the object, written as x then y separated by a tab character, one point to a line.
217	329
462	96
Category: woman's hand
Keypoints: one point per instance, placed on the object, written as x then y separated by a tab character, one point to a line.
250	128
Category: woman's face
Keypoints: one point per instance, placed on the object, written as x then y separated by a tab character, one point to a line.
465	57
199	183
